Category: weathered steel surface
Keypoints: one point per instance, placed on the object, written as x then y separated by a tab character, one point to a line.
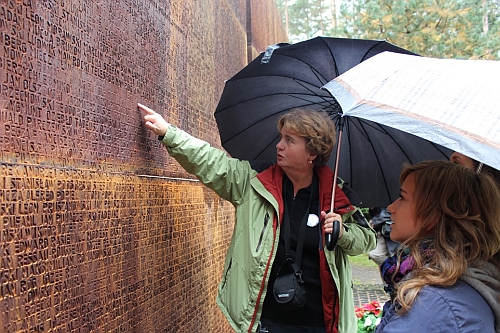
101	231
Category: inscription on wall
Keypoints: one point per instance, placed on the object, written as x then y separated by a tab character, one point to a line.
88	243
101	231
77	251
70	78
81	251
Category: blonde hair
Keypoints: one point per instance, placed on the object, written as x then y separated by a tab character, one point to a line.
316	127
459	212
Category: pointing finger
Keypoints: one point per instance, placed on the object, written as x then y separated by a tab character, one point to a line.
145	109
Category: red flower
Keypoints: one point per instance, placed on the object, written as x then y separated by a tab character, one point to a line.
373	307
359	312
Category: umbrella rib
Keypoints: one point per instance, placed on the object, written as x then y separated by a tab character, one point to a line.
371	48
361	123
259	75
333	58
381	129
263	150
264	119
325	80
327	98
295	95
320	78
378	127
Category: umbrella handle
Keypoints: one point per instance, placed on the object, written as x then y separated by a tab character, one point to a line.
332	239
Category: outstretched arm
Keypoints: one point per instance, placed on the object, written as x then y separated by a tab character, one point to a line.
228	177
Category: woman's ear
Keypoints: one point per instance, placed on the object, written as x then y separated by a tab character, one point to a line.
455	158
463	160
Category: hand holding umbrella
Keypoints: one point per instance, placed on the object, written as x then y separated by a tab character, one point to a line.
333	229
292	76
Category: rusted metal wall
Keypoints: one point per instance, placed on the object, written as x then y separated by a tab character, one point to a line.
265	21
100	230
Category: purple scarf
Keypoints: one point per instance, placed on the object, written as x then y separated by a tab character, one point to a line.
389	266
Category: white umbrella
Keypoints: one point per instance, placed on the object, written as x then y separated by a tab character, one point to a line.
454	103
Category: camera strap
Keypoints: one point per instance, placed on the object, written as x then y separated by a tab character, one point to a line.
296	262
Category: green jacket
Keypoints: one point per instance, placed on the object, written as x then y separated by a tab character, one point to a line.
258	203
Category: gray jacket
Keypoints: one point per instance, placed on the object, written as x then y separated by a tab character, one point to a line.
472	304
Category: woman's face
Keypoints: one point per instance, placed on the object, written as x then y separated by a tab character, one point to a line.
405	223
463	160
292	153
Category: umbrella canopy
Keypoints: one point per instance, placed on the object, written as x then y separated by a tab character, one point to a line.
284	77
291	76
452	102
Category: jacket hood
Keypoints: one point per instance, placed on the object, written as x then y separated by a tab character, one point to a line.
484	277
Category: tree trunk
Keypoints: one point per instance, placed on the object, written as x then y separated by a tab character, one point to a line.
333	7
286	18
485	17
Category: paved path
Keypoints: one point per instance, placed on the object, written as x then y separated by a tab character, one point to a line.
367	285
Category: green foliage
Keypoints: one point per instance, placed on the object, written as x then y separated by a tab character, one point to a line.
368	324
465	29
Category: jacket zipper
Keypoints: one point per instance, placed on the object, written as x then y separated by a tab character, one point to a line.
266	221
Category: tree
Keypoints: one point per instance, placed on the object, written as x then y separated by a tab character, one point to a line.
466	29
305	19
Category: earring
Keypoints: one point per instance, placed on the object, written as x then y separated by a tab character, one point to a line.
310	162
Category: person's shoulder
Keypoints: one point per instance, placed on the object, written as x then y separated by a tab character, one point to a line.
460	303
458	289
458	298
383	217
441	303
448	293
455	308
260	165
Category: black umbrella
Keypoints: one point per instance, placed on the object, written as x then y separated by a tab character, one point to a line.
289	76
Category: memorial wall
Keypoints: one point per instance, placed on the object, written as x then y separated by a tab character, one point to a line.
100	230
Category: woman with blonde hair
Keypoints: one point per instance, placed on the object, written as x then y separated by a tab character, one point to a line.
281	217
444	277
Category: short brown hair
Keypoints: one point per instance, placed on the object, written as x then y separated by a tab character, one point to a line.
316	127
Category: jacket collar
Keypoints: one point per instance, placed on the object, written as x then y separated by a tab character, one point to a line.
272	179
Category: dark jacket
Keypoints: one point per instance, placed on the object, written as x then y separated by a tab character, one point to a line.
382	224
